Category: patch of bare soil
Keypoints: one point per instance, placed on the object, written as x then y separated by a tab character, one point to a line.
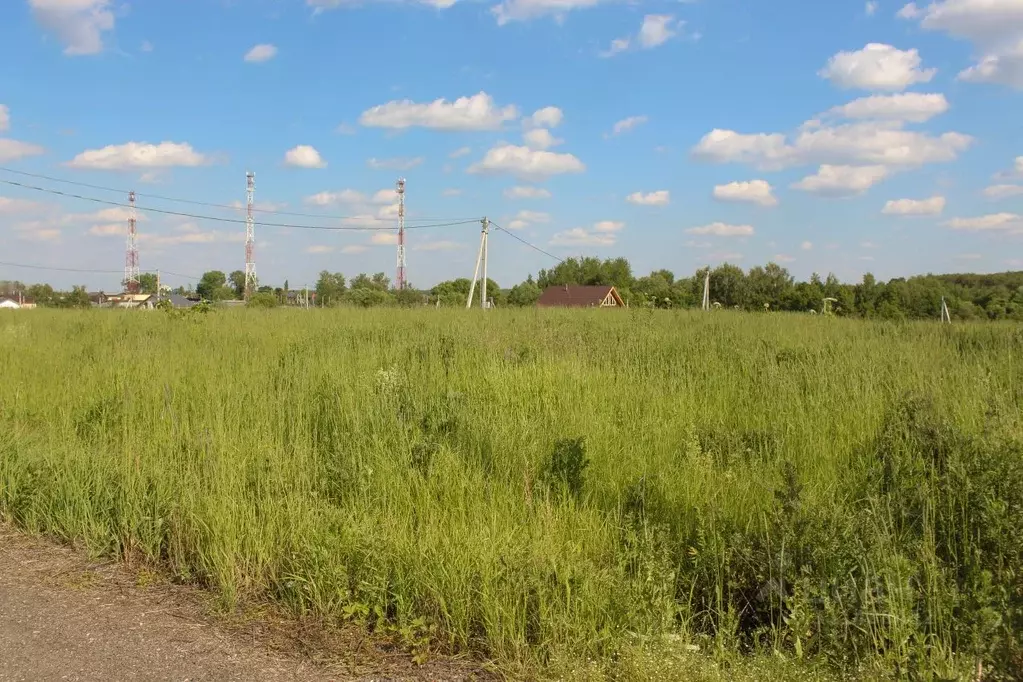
63	617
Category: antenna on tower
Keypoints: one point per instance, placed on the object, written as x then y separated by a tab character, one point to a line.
400	189
132	283
250	235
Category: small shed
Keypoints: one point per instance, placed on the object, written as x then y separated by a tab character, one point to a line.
579	296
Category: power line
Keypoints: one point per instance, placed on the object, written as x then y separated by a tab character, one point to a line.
93	272
532	246
342	228
208	204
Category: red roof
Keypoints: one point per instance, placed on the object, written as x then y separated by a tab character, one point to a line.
576	296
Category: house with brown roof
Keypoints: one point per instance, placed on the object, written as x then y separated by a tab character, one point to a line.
579	296
18	301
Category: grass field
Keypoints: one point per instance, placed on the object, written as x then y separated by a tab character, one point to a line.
587	495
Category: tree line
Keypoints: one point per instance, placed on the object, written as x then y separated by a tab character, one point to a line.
769	287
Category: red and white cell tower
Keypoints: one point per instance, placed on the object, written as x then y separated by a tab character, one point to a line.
132	283
400	189
250	235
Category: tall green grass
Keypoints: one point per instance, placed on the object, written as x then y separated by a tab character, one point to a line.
589	494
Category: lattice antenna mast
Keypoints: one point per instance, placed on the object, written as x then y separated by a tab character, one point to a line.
132	284
250	235
400	189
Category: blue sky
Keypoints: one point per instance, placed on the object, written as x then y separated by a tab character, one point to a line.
837	136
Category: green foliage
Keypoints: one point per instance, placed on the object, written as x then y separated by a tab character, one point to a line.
236	280
330	288
262	300
742	496
148	282
212	286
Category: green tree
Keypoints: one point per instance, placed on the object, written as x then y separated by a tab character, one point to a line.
212	285
262	299
237	280
330	288
147	283
524	294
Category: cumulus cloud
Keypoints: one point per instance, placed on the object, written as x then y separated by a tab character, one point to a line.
751	191
876	67
1003	191
723	230
524	219
521	192
783	258
525	163
319	248
547	117
354	248
261	53
400	163
661	197
605	226
842	181
304	156
139	155
78	24
806	246
932	206
461	151
478	112
914	107
540	138
627	124
868	143
993	27
655	30
524	10
871	8
997	222
344	196
579	236
5	118
384	238
13	150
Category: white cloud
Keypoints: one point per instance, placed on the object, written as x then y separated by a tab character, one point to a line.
304	156
661	197
345	129
526	163
478	112
842	181
354	248
1003	191
78	24
384	238
605	226
540	138
783	258
524	10
345	196
915	107
723	230
871	8
579	236
401	163
547	117
727	256
931	206
1007	222
10	206
527	193
452	192
13	150
524	219
969	256
876	67
319	248
438	246
656	30
994	27
868	143
146	46
261	53
461	151
628	124
752	191
806	246
322	5
139	155
5	118
385	196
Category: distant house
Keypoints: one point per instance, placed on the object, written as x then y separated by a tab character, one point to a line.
133	301
179	301
577	296
98	298
17	302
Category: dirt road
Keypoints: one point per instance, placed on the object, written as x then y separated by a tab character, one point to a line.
64	618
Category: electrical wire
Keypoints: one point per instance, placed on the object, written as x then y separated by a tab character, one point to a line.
207	204
532	246
239	221
94	272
